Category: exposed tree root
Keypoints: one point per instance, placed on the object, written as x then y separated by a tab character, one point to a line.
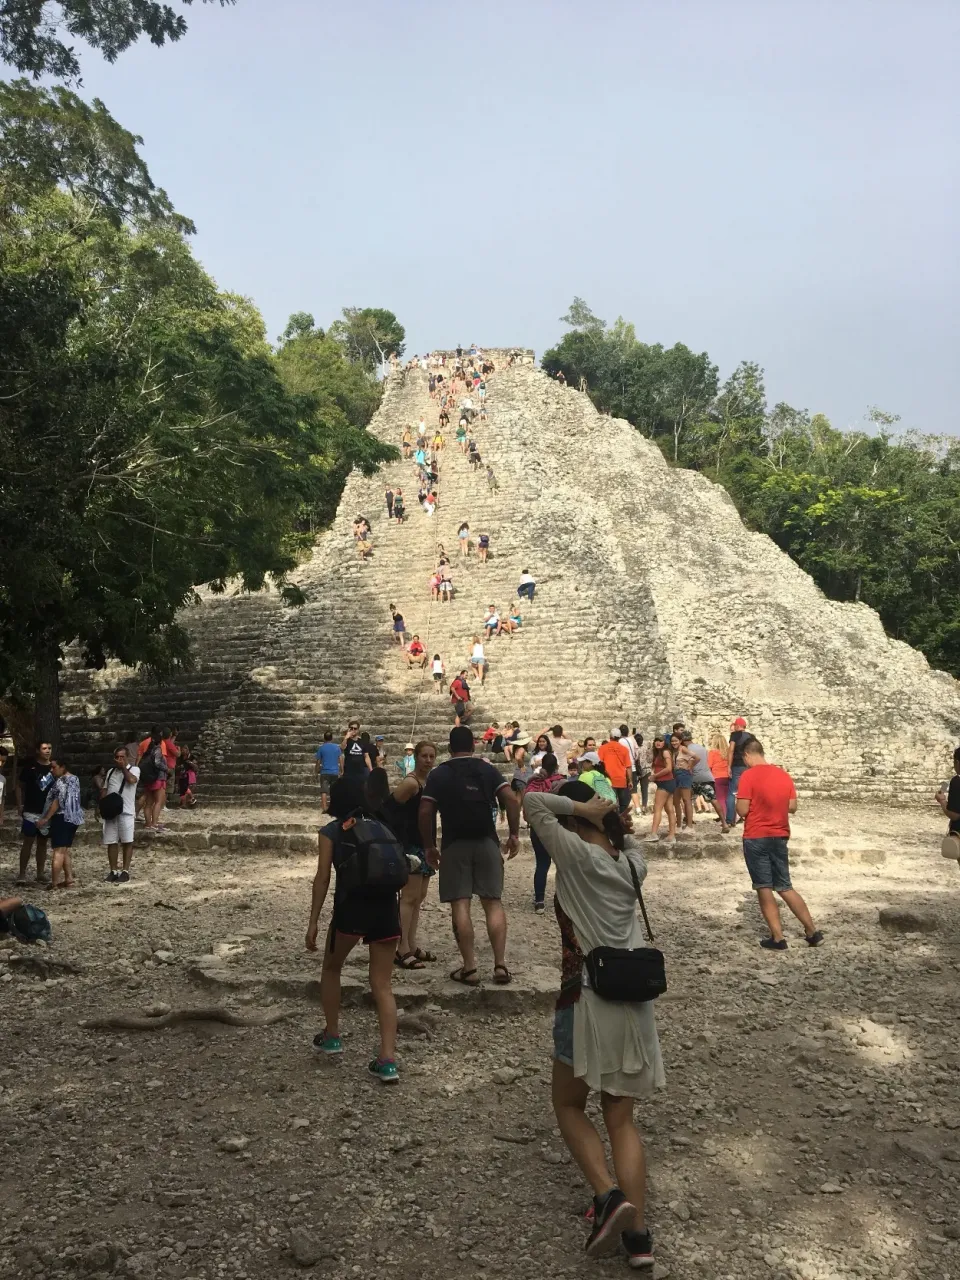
140	1022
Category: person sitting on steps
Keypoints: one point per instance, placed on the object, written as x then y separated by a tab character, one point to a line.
416	654
491	622
511	623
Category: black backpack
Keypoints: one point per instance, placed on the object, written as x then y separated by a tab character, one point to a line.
111	804
153	765
367	855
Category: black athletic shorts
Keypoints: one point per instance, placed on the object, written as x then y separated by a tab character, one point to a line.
373	917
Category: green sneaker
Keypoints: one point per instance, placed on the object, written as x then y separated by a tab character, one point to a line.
386	1072
329	1046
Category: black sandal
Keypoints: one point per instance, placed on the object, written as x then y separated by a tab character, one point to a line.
502	975
409	961
427	956
467	976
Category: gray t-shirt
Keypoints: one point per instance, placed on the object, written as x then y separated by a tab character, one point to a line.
701	770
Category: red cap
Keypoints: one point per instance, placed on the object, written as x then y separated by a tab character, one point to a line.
739	723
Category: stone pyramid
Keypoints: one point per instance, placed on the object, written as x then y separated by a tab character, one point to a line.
654	603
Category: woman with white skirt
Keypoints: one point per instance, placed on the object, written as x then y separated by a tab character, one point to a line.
600	1045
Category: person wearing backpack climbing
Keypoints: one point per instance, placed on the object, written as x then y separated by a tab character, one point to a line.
117	806
465	791
64	813
153	777
371	869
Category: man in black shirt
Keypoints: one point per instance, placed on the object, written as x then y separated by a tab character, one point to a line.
33	783
465	791
359	756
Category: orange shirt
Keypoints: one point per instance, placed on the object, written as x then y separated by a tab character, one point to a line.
618	763
769	790
717	764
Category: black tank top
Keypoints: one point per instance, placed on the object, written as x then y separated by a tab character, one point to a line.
403	819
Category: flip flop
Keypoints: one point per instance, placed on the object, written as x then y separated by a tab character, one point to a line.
467	976
502	975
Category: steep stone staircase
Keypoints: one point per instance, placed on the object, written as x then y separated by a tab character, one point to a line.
653	603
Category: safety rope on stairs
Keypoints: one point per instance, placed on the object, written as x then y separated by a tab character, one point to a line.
426	646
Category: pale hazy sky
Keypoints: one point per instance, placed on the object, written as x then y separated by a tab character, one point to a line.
766	179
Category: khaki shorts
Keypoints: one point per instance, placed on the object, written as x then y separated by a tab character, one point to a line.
471	868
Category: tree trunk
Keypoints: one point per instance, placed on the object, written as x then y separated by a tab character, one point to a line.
48	697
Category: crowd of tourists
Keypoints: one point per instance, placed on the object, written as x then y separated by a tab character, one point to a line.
52	802
393	825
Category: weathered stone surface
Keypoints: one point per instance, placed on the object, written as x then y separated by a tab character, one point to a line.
830	694
898	920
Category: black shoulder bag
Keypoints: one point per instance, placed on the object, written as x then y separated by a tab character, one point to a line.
110	804
628	976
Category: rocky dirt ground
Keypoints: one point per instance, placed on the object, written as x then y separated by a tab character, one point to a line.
810	1126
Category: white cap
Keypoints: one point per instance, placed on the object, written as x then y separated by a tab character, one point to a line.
615	733
588	757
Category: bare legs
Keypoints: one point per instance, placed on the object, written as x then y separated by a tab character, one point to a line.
496	920
61	863
41	855
412	896
381	977
796	904
113	856
663	800
152	804
584	1143
683	806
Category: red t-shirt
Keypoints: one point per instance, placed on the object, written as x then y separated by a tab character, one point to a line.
617	761
769	790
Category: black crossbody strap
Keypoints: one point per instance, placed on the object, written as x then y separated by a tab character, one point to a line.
636	885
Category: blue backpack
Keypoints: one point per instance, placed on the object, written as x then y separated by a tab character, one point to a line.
30	924
367	855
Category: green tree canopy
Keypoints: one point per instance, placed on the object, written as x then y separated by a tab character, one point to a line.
369	335
343	395
34	33
148	440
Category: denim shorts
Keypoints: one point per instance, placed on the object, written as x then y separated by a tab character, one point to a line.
768	862
684	778
563	1035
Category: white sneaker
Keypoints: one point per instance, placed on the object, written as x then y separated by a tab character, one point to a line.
653	837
